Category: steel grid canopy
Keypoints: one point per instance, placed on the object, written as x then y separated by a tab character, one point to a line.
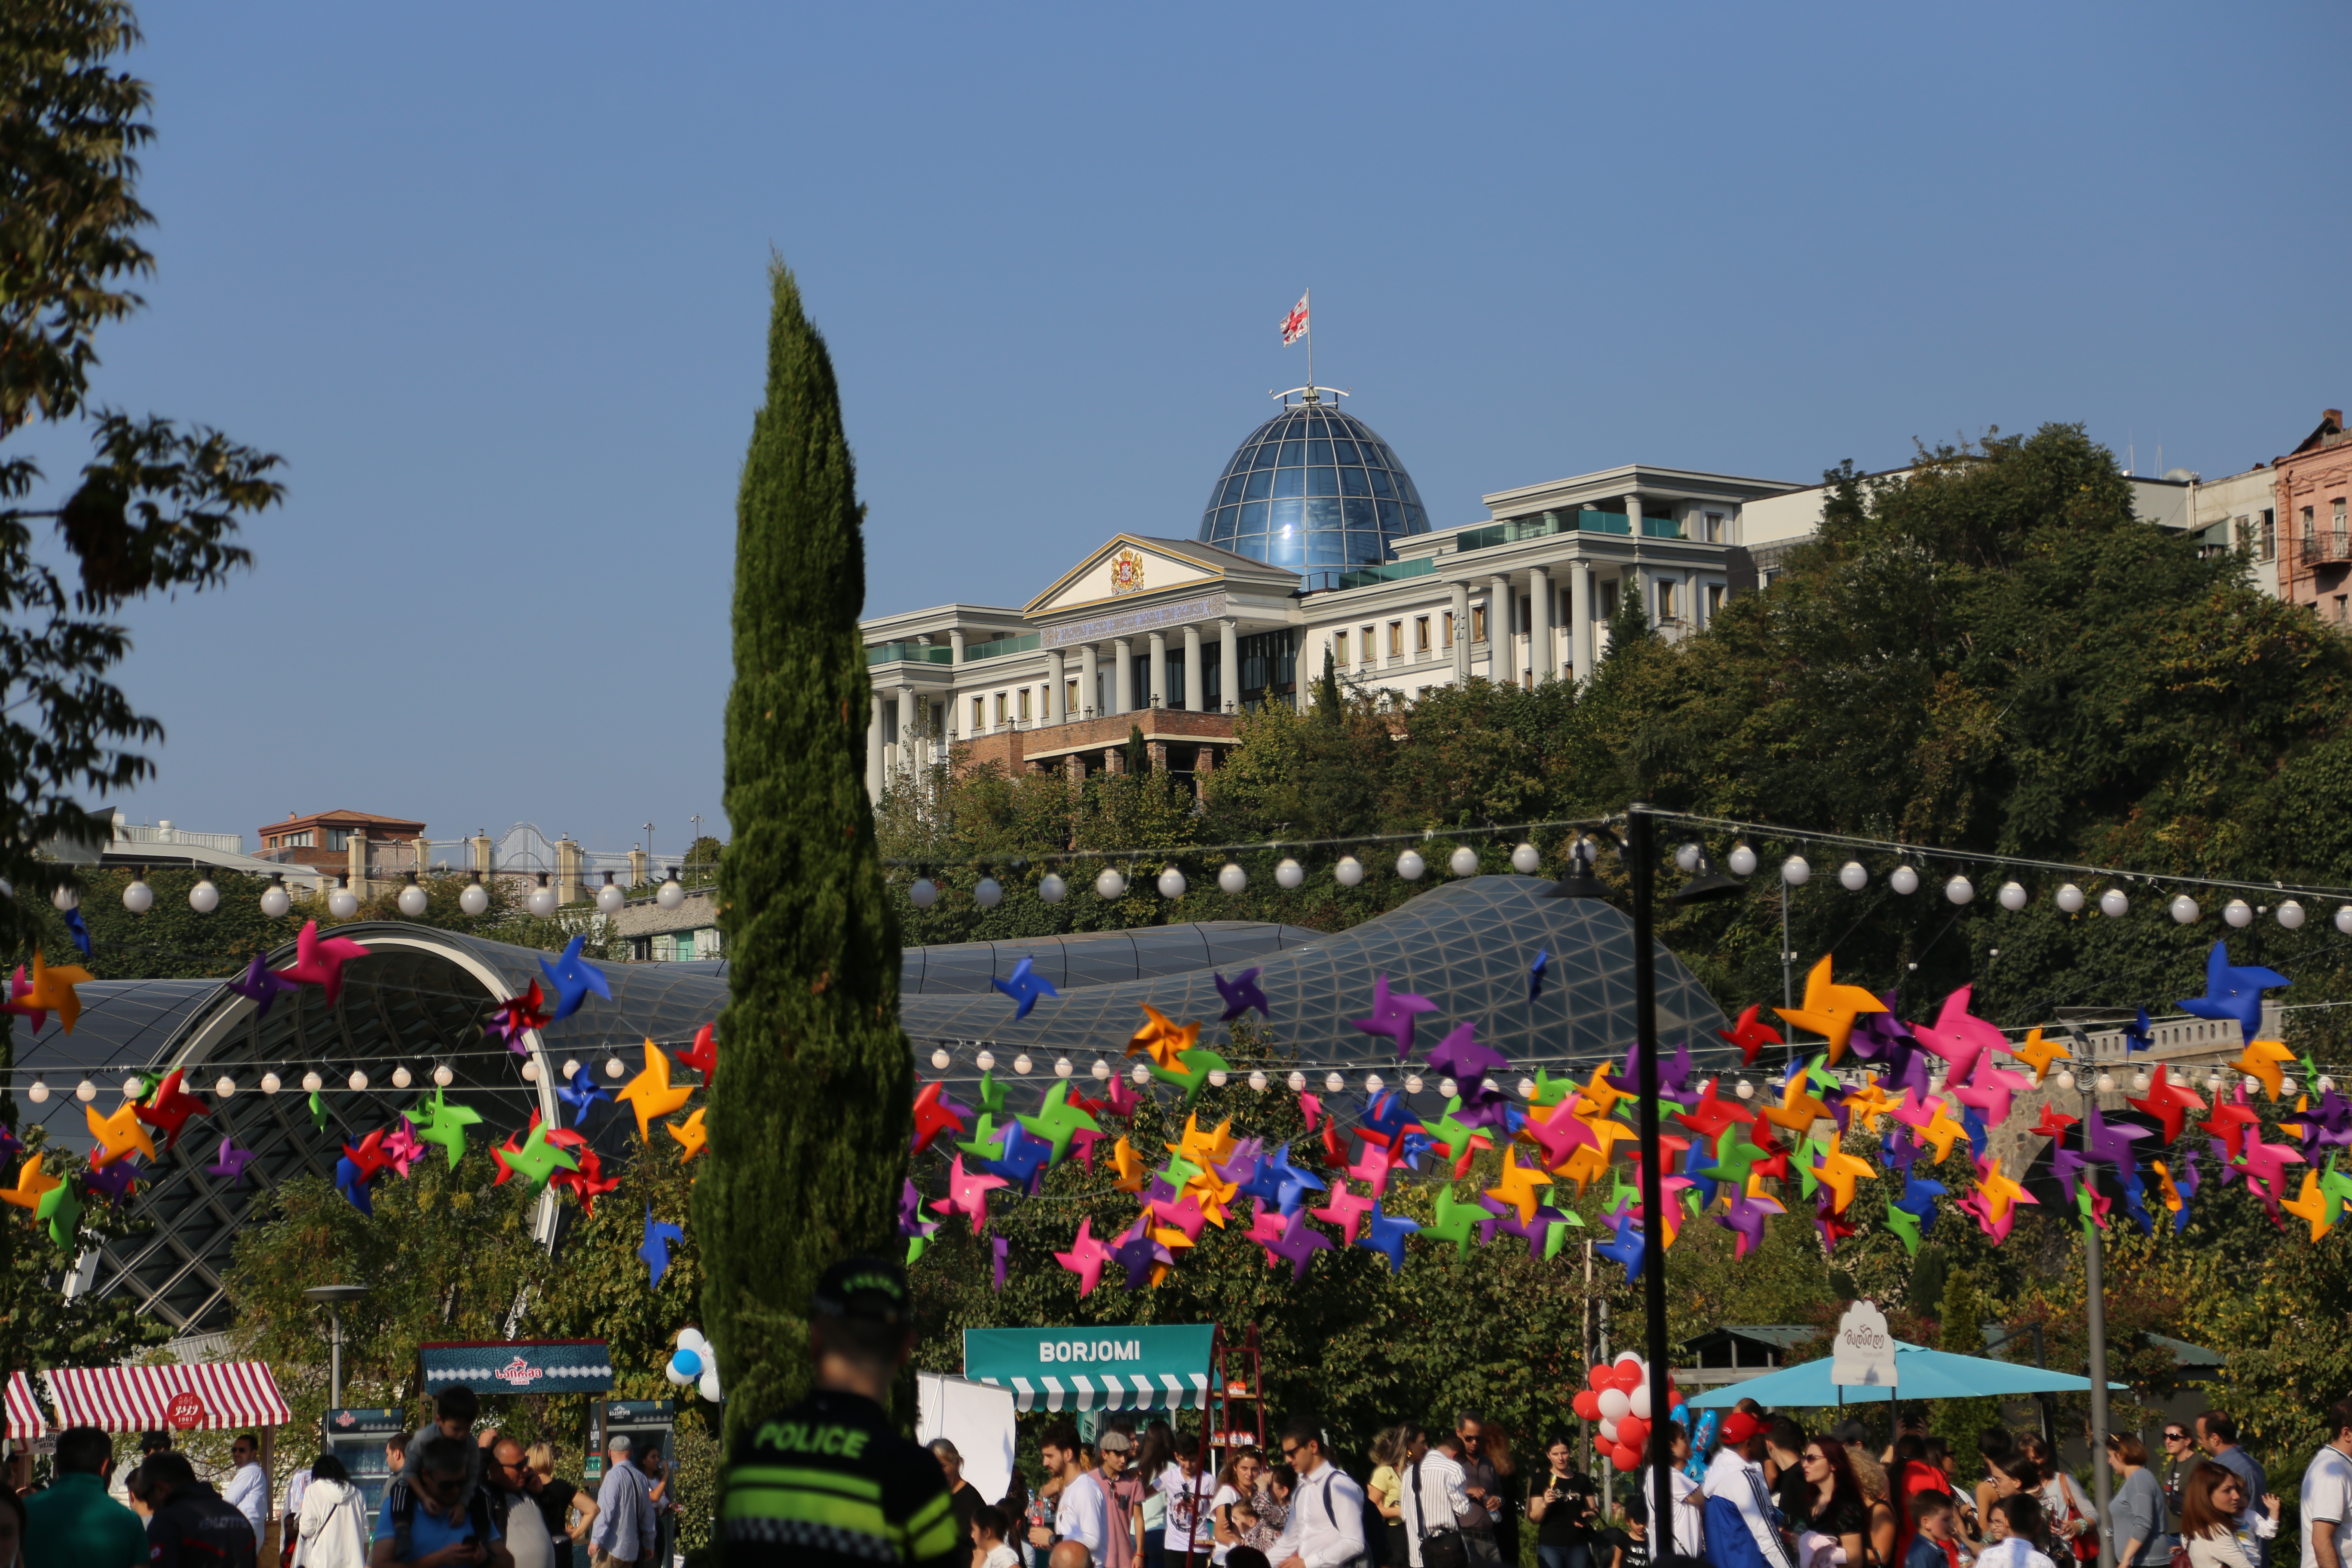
206	1396
1160	1368
1919	1374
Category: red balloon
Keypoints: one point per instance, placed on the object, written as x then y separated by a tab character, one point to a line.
1598	1377
1625	1459
1587	1404
1633	1432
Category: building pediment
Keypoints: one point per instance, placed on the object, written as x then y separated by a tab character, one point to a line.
1129	567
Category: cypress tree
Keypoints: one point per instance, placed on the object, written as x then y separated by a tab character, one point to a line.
812	1108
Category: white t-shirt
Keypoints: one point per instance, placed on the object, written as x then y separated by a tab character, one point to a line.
1082	1513
2326	1496
1194	1504
1226	1496
1000	1556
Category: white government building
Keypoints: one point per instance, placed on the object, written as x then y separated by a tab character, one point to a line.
1314	538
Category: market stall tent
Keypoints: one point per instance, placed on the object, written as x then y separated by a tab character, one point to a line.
1920	1373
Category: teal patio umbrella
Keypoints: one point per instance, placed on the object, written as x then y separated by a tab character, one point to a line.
1919	1374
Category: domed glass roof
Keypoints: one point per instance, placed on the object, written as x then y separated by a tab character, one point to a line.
1313	486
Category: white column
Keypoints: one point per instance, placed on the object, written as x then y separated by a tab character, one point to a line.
1634	580
907	726
874	751
1539	623
1229	666
1055	709
1122	675
1579	621
1462	634
1502	652
1158	683
1090	699
1195	688
955	641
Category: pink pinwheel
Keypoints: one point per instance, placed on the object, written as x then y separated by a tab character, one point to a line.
1344	1210
1373	1163
318	960
402	1147
967	1194
2267	1163
1086	1257
1990	1089
1269	1224
1958	1037
1185	1215
18	989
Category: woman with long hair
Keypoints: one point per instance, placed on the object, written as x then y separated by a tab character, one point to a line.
1236	1482
1878	1538
331	1530
1998	1449
1385	1492
2068	1512
1501	1508
2212	1500
1152	1463
1559	1502
1831	1497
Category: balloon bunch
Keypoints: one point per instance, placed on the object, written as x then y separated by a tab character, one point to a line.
1618	1398
695	1367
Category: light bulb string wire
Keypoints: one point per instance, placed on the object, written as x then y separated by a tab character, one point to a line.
1169	854
1902	850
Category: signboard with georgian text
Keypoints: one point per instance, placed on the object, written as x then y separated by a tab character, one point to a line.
1863	1354
518	1366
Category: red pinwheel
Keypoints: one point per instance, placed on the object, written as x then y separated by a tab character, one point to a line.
703	1056
516	1016
2053	1122
171	1107
589	1180
369	1160
1750	1035
933	1117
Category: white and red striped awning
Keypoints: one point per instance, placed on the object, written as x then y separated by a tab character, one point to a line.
206	1396
25	1419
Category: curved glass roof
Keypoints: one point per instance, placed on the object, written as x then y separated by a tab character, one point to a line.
1313	486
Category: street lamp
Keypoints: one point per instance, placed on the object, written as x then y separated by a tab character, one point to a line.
332	1297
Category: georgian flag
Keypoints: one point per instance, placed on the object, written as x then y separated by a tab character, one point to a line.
1294	325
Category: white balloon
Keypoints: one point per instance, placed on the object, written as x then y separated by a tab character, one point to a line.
1640	1401
1614	1405
709	1386
1608	1427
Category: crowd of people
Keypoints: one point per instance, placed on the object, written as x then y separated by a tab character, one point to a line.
1769	1494
453	1498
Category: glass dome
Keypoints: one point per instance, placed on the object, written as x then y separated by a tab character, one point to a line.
1313	486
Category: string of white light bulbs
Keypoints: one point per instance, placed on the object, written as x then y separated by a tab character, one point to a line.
276	901
1111	883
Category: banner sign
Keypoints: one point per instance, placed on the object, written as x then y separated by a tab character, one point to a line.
518	1366
1164	1367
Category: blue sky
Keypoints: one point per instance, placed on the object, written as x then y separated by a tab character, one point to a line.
491	279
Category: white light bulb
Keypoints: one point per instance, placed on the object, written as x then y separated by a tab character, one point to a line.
1526	1089
2343	918
1022	1065
1960	890
1410	865
475	900
203	898
444	1076
1686	858
1297	1081
1447	1088
611	899
1463	862
2065	1080
139	898
2140	1082
1904	880
2324	1086
313	1082
2290	915
922	893
1258	1081
1746	1090
275	901
1348	871
670	895
530	1069
1051	889
940	1061
66	898
1290	875
988	892
1334	1084
614	1067
2013	896
1171	883
401	1077
2106	1083
2286	1086
413	901
1853	876
1795	871
343	903
1216	1077
541	902
1110	885
2069	898
1412	1083
985	1061
2240	914
2254	1085
359	1080
1525	860
1233	878
1742	860
2184	910
2213	1084
134	1087
1062	1067
571	1067
225	1086
1101	1070
2114	904
271	1083
1373	1083
39	1093
1139	1075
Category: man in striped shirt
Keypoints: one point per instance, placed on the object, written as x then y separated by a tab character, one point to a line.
829	1482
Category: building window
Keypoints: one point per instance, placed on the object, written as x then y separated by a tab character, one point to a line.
337	838
1478	622
1421	634
999	708
1711	529
1396	639
2269	534
1666	600
1449	629
2310	533
2341	606
1070	698
2338	521
1609	598
1339	648
1024	705
979	714
1713	600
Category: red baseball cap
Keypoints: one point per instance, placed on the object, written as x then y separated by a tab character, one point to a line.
1739	1426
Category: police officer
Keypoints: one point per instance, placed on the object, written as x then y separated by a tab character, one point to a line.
830	1480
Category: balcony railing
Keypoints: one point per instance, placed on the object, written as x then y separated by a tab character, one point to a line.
232	843
1544	525
1022	644
912	653
1334	579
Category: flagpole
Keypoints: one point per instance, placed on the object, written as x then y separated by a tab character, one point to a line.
1309	297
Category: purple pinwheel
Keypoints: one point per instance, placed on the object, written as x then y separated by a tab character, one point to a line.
1746	1219
1392	1013
261	985
998	1248
1135	1252
113	1179
1299	1243
232	1161
1241	994
1461	1057
2110	1144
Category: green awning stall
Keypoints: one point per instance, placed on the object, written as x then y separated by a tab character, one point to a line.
1158	1368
